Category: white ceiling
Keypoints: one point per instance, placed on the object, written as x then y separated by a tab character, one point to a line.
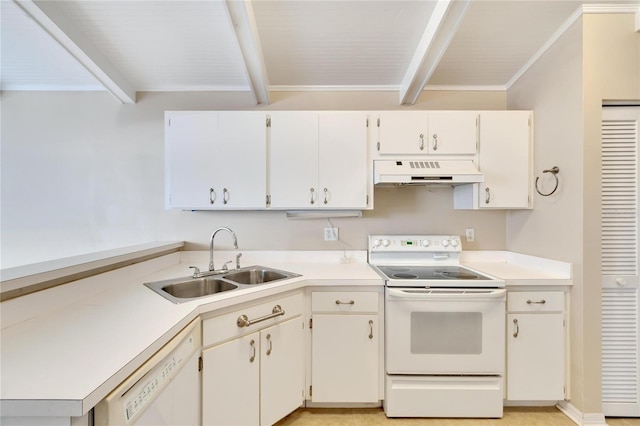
262	45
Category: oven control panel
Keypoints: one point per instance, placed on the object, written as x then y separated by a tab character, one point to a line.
415	243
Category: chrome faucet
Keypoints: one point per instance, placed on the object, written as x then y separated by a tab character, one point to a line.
235	245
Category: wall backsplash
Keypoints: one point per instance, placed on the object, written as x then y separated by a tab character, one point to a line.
81	173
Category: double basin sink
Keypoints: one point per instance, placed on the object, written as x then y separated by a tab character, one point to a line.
179	290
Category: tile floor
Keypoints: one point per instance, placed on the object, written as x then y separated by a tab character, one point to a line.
513	416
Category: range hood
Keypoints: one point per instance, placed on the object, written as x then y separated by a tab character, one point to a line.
425	172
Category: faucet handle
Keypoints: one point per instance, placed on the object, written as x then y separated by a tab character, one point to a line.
196	271
238	256
225	267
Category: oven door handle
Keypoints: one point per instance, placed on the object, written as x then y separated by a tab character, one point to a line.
449	295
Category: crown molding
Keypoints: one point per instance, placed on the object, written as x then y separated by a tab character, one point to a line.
580	11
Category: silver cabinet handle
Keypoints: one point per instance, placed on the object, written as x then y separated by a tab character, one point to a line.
421	142
244	321
350	302
270	345
326	191
212	195
435	142
225	195
253	350
539	302
312	199
515	323
487	198
370	329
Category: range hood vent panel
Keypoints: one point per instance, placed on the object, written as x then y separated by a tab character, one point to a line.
425	172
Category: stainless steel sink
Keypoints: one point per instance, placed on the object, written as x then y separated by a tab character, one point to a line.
198	287
184	289
179	290
256	276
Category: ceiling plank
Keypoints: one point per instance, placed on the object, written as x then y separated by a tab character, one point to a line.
244	25
49	15
439	32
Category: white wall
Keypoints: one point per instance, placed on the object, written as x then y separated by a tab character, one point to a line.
81	172
553	89
597	59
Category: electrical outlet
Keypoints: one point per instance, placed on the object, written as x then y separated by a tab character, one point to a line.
331	234
470	235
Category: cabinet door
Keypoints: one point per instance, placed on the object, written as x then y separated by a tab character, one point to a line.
239	162
344	358
189	149
230	382
504	159
293	165
535	357
342	160
453	132
281	370
403	132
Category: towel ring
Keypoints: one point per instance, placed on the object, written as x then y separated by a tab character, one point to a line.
554	171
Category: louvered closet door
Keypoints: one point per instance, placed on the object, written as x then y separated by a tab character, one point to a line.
620	310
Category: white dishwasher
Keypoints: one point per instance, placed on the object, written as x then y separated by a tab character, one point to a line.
165	390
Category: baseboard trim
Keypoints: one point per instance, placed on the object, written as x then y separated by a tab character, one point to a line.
580	418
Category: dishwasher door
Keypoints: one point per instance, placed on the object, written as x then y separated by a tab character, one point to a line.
165	390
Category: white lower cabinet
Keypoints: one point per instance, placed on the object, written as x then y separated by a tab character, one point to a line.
258	378
345	347
231	383
536	336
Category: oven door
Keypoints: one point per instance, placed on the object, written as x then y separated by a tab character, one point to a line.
445	331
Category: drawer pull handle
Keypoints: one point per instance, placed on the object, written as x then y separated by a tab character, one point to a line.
370	329
350	302
515	333
539	302
244	321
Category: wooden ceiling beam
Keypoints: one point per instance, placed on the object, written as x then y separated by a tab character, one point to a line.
50	16
243	22
439	32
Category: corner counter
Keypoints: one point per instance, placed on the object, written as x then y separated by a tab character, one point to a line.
65	347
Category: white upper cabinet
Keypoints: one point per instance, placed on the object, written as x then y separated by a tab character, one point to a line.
427	132
241	160
216	160
189	149
293	159
342	152
453	132
318	160
403	132
505	160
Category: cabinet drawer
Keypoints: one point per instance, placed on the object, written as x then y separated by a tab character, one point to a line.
535	301
344	301
225	326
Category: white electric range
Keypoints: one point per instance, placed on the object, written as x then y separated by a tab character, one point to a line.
444	329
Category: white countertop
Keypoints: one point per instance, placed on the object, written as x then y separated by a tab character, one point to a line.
65	348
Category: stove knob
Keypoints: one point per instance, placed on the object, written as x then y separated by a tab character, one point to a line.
445	243
454	243
425	243
376	243
385	243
